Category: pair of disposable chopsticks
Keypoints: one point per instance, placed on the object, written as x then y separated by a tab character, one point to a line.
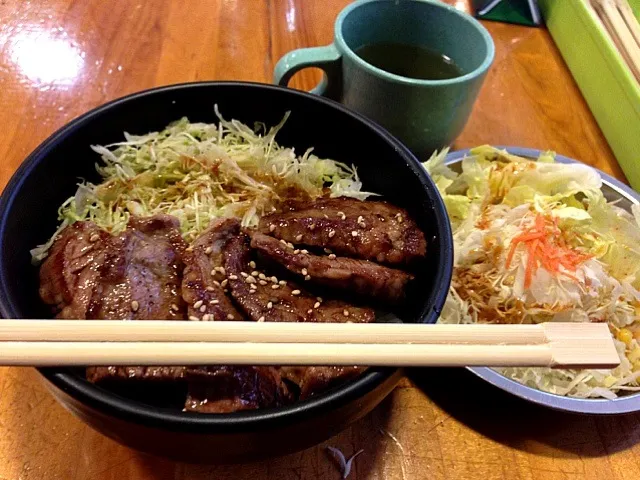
623	28
115	342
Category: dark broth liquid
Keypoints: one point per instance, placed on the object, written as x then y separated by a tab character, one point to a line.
409	61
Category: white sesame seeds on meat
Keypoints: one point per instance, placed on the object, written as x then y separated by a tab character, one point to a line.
275	286
230	317
298	237
135	306
206	317
244	274
262	276
345	313
296	251
295	292
174	307
255	273
252	264
304	251
310	310
282	282
284	242
307	277
312	227
189	249
319	299
214	302
233	277
332	256
224	283
203	308
272	227
194	319
263	282
210	288
342	215
316	305
197	304
94	238
354	233
261	319
332	233
274	279
304	271
251	280
270	305
208	250
327	250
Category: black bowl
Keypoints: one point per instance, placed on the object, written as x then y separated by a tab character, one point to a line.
49	175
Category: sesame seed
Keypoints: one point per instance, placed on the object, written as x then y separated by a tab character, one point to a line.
253	287
270	305
197	304
214	302
262	282
290	245
215	282
307	277
312	227
261	319
230	317
284	242
226	290
211	289
296	251
354	233
94	238
298	237
262	276
213	272
342	215
319	299
275	286
224	283
208	250
233	277
332	256
332	233
252	264
360	219
255	273
174	307
310	310
304	251
272	227
203	308
244	274
250	280
295	292
282	282
345	313
194	319
189	249
304	271
274	279
206	317
222	270
316	305
327	250
135	306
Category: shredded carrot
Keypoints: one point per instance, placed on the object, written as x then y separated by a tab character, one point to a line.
546	247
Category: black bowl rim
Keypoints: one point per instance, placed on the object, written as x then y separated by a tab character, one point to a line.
595	406
116	406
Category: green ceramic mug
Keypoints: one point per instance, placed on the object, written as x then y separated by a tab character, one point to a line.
425	114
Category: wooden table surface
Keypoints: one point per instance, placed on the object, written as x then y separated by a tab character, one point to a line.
59	58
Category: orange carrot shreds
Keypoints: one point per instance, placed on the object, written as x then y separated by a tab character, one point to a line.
546	247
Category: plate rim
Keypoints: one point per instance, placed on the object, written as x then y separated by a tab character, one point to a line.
594	406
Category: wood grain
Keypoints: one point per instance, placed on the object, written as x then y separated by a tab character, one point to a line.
62	57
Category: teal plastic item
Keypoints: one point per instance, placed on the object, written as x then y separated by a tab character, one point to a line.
608	86
425	114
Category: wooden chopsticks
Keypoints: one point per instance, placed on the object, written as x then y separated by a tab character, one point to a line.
115	342
622	26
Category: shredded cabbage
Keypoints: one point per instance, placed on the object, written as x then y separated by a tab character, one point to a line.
198	172
536	241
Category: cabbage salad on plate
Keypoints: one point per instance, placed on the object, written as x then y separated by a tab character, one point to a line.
536	241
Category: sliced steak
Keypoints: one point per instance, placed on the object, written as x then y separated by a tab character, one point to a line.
140	276
363	229
204	274
70	272
360	276
312	380
265	298
230	389
100	374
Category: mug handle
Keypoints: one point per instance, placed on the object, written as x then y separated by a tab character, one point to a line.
326	58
